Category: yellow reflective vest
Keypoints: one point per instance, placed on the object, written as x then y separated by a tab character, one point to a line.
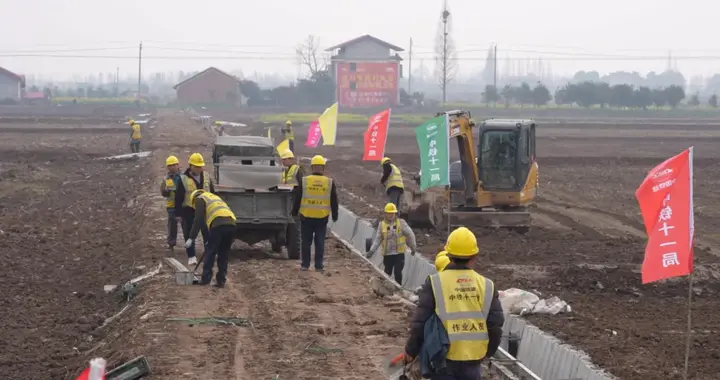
288	133
189	185
395	179
215	208
170	186
290	174
315	202
400	244
136	134
462	302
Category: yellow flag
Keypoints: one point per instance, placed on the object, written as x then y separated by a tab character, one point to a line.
269	132
283	146
328	124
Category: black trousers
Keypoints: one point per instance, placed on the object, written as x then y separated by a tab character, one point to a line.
469	370
394	263
219	243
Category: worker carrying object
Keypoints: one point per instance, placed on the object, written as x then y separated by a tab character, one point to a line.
167	190
394	236
213	214
289	135
315	201
194	178
469	309
393	181
292	173
135	137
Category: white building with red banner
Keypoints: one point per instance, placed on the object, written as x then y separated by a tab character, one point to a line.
367	73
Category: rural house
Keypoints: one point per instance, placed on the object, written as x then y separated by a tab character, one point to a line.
11	86
210	86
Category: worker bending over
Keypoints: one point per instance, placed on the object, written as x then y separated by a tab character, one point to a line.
135	136
467	304
167	189
393	181
213	214
394	235
292	172
289	135
194	178
315	200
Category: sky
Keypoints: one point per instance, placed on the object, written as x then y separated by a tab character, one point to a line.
261	36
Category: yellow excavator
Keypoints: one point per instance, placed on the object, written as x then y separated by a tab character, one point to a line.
493	183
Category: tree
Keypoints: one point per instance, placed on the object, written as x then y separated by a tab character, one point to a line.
490	95
524	94
694	100
540	95
508	94
675	94
445	54
310	58
659	97
621	95
643	97
713	101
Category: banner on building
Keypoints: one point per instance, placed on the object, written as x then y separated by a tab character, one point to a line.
367	84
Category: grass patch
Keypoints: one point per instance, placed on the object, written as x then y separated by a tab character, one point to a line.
343	118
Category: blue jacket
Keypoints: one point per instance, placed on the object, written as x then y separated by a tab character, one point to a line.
435	346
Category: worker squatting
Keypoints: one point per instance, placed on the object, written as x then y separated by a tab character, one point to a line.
459	318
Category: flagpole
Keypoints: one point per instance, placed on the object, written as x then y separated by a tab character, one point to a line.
387	130
449	187
688	337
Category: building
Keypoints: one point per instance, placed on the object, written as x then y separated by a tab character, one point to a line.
367	73
11	86
211	86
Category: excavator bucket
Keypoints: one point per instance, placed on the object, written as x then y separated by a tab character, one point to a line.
517	220
422	210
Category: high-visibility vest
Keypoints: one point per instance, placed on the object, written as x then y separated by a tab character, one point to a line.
315	202
395	179
136	135
215	208
288	133
400	238
462	302
289	175
170	186
190	186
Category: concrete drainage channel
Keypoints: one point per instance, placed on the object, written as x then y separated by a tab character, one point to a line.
540	356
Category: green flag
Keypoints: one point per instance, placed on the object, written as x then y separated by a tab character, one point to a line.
434	143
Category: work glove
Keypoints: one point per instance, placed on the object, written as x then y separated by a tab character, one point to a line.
189	243
412	252
369	254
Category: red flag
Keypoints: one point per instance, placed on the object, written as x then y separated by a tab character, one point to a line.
666	204
84	375
375	136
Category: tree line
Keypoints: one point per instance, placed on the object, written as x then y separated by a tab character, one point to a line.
591	94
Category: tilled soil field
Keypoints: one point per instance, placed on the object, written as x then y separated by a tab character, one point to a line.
587	242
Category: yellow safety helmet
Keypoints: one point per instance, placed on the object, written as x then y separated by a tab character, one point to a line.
194	195
196	159
462	243
287	154
441	261
172	160
385	160
390	208
288	122
131	121
318	160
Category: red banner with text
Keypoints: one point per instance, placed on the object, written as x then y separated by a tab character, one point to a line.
367	84
375	136
666	204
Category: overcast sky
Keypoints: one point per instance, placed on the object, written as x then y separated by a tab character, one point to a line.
261	35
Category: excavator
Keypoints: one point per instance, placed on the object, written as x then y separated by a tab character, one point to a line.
493	183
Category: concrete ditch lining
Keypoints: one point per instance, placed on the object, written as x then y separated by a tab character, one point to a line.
543	354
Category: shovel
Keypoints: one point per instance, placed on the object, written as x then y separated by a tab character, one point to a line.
395	367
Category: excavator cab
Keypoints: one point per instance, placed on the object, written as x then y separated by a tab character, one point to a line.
494	181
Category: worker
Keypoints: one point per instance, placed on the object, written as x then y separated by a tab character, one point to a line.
395	236
135	136
315	200
167	189
468	306
292	173
289	135
213	214
194	178
441	261
393	181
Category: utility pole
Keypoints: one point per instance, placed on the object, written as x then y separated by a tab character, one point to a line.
139	70
495	67
117	81
410	69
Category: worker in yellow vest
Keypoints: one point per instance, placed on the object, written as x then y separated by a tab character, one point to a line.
468	306
315	200
393	181
441	261
167	190
394	236
214	215
194	178
292	172
135	136
289	135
